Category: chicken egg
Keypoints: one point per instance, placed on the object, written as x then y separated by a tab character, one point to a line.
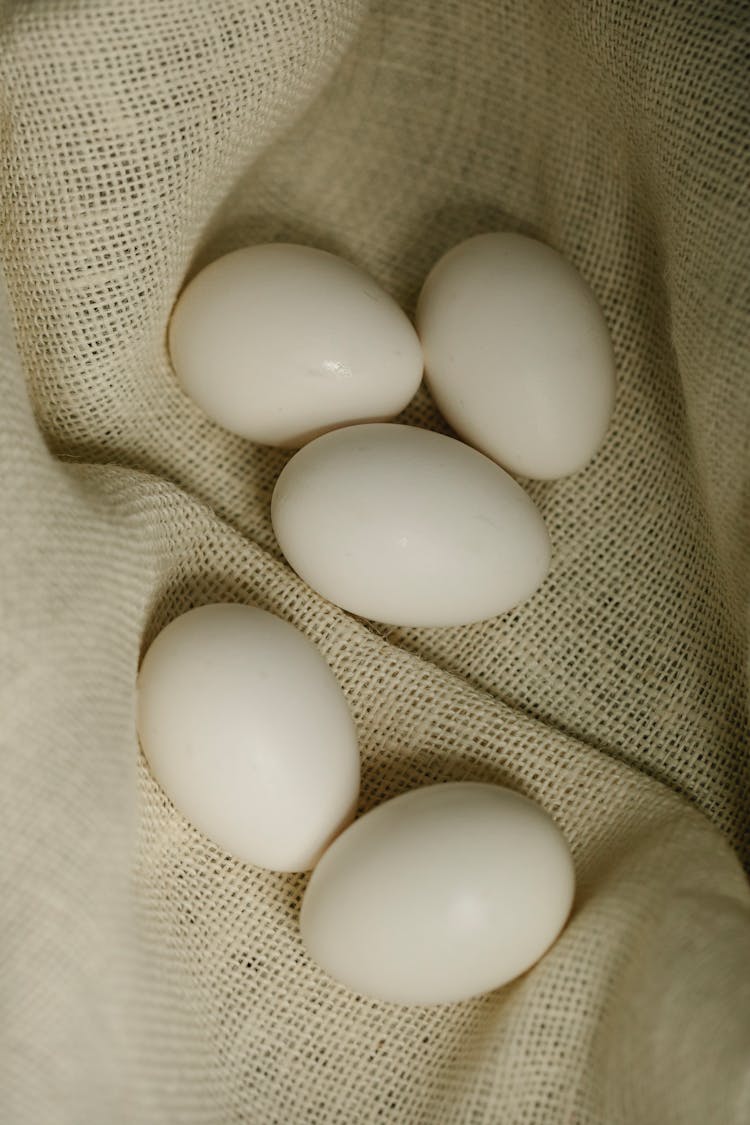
408	527
280	342
439	895
518	356
249	734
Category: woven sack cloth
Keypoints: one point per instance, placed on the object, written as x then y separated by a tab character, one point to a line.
146	977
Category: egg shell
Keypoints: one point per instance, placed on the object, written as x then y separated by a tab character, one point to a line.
246	729
518	355
280	342
439	895
408	527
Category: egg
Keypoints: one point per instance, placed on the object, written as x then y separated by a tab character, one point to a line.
280	342
408	527
439	895
518	356
247	731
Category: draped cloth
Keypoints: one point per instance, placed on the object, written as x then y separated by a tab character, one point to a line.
146	977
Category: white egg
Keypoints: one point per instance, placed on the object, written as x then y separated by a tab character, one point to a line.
439	895
517	354
408	527
249	734
279	342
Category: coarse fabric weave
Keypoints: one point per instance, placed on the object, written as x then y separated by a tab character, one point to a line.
145	977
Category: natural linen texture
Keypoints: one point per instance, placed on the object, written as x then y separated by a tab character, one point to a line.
145	977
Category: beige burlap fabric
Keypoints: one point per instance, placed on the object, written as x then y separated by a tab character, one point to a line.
144	976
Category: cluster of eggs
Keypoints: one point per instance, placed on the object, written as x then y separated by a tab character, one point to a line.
451	890
294	347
